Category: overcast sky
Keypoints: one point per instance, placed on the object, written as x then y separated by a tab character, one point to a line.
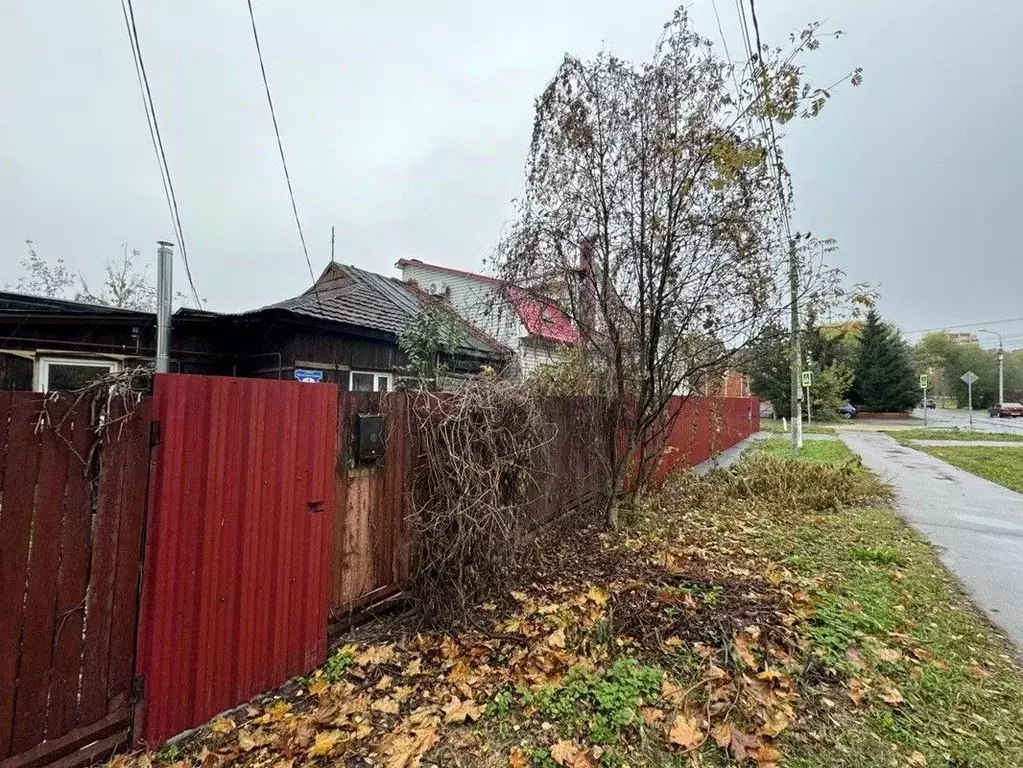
406	126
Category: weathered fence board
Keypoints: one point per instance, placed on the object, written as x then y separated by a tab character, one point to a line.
66	636
235	591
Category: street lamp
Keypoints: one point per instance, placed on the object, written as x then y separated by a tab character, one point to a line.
1001	357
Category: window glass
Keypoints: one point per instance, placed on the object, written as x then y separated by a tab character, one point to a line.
382	382
65	376
362	382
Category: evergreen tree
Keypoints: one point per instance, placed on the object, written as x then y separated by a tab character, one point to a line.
884	378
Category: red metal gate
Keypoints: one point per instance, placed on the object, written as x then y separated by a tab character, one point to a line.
234	598
70	541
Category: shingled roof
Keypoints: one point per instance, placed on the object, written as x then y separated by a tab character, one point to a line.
354	297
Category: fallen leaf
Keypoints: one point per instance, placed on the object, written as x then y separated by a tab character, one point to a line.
415	667
223	726
892	696
674	642
406	750
566	753
278	710
744	647
517	758
325	741
857	690
671	692
651	715
722	735
457	711
916	758
777	722
854	657
597	595
387	705
556	639
766	754
520	596
318	687
247	741
685	732
889	655
741	744
376	654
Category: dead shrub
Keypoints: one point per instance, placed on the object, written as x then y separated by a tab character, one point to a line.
789	486
480	462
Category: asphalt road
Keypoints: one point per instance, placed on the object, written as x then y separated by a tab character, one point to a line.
940	418
976	525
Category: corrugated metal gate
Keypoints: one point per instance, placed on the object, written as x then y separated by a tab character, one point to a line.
70	541
234	598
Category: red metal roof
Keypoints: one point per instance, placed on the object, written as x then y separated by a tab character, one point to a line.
542	318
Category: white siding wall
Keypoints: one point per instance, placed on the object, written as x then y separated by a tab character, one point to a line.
476	300
533	353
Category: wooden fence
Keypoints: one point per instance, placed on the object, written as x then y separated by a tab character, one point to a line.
70	538
261	525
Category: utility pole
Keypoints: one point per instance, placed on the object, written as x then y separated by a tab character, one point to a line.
797	355
164	292
1001	364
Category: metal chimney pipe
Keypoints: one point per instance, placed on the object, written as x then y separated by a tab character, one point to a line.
164	291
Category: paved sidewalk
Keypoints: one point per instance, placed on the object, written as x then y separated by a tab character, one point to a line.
976	525
967	443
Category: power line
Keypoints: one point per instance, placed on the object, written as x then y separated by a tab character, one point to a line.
280	147
154	134
966	325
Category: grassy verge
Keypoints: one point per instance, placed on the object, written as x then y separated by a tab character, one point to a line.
774	614
905	435
775	427
827	452
999	465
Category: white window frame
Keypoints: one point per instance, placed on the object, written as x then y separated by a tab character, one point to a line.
42	368
377	375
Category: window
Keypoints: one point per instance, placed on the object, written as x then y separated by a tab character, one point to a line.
363	381
64	373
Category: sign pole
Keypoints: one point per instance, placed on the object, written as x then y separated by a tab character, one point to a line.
969	399
925	402
809	408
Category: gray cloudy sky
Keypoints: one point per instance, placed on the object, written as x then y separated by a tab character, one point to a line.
406	126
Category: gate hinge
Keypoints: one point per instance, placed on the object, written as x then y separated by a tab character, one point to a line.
138	689
154	433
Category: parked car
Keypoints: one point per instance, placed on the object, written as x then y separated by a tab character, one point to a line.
1006	410
928	403
847	410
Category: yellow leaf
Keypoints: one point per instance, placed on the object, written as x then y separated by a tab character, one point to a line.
376	654
459	673
457	711
767	754
889	655
325	741
415	667
597	595
685	732
247	741
520	596
566	753
223	726
674	642
917	758
386	705
556	639
278	709
318	686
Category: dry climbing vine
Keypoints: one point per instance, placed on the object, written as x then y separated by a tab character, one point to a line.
480	462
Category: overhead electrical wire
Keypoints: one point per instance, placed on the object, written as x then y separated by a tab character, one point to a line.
280	148
154	134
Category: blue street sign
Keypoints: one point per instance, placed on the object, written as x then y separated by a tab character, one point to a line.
308	375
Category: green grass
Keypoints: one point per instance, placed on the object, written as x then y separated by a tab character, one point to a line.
774	426
999	465
830	452
905	435
878	586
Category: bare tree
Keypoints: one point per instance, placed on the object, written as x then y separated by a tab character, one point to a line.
126	283
653	213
